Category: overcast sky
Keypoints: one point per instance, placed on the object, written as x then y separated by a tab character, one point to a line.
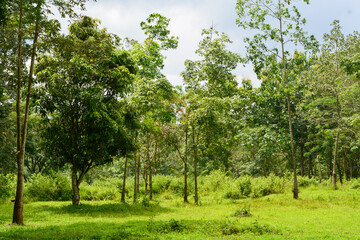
189	17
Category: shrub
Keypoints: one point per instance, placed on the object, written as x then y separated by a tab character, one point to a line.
176	185
215	181
161	183
169	226
7	186
244	186
242	212
260	187
98	192
276	184
53	187
305	181
233	194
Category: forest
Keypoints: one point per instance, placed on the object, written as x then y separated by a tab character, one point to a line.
96	143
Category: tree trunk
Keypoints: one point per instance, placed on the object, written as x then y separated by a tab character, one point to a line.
75	186
327	172
295	190
335	161
283	57
135	178
138	175
346	169
124	181
19	205
320	173
309	167
351	169
185	184
302	159
151	170
150	180
340	172
196	197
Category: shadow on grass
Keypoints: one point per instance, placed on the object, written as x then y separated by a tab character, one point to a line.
140	229
81	230
107	209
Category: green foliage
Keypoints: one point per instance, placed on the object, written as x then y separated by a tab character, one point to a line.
7	186
215	181
256	187
242	212
305	181
167	227
99	193
53	187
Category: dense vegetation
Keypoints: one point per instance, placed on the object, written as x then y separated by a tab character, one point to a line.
89	115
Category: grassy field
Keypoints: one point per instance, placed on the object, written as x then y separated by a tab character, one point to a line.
321	213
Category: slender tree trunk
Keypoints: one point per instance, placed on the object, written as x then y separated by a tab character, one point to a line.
327	172
75	186
186	167
320	173
302	159
19	205
309	167
147	165
124	181
138	174
185	183
295	190
150	180
346	169
340	172
135	179
335	162
151	170
196	197
351	169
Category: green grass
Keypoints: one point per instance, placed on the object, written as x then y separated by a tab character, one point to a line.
321	213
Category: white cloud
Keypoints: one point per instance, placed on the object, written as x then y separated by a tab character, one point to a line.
189	17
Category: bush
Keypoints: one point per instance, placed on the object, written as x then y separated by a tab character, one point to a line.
53	187
177	185
242	212
215	181
276	184
244	186
305	181
7	186
167	227
161	183
260	187
98	192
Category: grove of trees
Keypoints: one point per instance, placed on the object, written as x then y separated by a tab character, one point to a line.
73	102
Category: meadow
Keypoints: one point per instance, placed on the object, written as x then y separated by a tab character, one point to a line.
320	213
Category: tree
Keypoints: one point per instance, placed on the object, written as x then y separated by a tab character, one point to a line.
28	20
329	87
276	22
81	81
151	100
209	86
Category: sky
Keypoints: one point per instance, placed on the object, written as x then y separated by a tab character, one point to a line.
189	17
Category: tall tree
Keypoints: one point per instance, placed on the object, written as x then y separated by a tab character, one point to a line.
83	78
152	97
276	22
28	19
209	86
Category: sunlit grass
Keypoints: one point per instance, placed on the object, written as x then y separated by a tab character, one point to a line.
320	213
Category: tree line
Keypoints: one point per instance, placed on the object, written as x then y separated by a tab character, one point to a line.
75	101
